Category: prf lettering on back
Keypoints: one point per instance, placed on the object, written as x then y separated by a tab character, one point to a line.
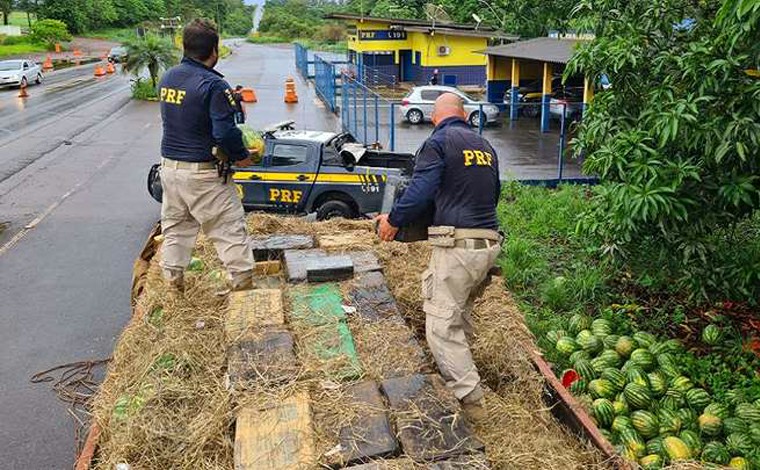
170	95
290	196
477	157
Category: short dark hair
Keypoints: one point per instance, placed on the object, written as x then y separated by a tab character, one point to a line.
200	39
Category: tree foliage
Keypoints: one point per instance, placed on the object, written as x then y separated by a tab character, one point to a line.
676	139
153	53
50	32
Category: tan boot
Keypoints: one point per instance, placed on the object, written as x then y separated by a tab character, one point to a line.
242	281
474	405
175	283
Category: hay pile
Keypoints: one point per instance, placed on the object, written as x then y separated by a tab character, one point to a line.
164	403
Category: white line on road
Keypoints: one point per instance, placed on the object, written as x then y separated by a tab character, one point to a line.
31	225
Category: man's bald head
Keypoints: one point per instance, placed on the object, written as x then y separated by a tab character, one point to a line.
448	105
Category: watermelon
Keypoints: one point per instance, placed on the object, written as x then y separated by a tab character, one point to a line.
654	446
691	439
601	388
645	423
676	449
629	454
639	449
636	375
666	359
621	423
578	323
697	399
620	407
650	462
670	371
643	358
669	346
710	425
629	436
610	341
637	396
611	357
754	431
603	412
554	335
739	444
740	463
606	434
715	452
585	400
590	344
578	387
196	265
657	384
566	346
734	397
253	141
748	412
712	335
682	384
717	409
625	346
599	364
735	424
673	400
688	419
670	422
585	370
578	355
601	327
644	339
616	378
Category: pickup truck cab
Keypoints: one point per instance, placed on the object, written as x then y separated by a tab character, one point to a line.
314	172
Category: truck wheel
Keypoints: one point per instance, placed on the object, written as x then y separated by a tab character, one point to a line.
414	116
333	209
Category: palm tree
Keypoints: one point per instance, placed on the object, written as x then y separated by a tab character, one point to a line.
152	52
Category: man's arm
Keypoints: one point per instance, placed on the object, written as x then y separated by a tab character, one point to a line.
428	173
223	128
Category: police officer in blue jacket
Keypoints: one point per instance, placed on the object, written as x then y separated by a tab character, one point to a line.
457	176
198	112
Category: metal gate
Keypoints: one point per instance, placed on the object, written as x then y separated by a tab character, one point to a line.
369	117
325	81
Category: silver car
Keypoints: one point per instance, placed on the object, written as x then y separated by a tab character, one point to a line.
19	72
417	106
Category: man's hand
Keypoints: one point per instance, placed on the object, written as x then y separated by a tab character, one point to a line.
244	163
385	230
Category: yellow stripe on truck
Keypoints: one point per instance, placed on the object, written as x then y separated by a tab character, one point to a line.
294	177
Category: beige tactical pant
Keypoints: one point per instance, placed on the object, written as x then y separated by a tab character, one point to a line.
196	200
448	288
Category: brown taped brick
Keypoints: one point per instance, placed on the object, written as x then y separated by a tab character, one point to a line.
251	310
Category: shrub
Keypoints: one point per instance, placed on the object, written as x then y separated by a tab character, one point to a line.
50	32
142	89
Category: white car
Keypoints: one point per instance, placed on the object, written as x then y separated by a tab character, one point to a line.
417	106
20	72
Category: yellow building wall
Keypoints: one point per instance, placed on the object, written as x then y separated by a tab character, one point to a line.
498	68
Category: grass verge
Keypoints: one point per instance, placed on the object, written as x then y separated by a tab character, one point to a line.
20	49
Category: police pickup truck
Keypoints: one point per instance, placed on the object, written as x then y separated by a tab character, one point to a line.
315	172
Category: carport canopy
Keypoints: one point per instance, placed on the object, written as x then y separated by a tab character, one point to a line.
552	50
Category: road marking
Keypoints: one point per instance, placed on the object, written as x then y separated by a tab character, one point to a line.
49	210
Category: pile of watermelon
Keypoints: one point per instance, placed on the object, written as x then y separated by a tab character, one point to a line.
641	402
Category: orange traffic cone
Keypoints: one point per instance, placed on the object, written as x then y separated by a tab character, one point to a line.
57	47
99	72
110	68
290	91
22	91
249	95
48	64
77	53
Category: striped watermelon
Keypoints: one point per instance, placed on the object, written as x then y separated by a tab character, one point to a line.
554	335
715	452
621	423
651	462
688	419
748	412
657	384
669	346
610	341
676	449
643	358
599	364
682	384
637	396
585	370
638	449
601	388
739	444
697	399
625	346
621	407
566	346
578	387
616	378
636	375
590	344
585	400
670	422
754	432
654	446
611	357
734	397
578	355
739	462
629	436
645	423
578	323
717	409
710	425
629	454
691	439
644	339
601	327
734	424
603	412
606	434
673	400
712	335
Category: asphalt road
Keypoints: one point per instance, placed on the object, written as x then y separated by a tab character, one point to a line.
72	191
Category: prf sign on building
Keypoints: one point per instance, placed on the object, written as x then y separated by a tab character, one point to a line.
410	50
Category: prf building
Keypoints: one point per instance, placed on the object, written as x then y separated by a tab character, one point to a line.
411	50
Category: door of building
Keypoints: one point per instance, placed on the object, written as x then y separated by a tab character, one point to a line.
405	62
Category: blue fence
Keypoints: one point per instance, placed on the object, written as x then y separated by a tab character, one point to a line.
304	66
369	117
326	77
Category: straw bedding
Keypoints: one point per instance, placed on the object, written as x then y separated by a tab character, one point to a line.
165	403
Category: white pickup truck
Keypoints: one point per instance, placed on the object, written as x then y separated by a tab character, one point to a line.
20	72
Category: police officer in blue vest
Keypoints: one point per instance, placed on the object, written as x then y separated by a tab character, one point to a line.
457	172
198	112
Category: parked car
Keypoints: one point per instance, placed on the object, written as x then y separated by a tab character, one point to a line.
417	106
19	72
569	100
117	54
531	93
